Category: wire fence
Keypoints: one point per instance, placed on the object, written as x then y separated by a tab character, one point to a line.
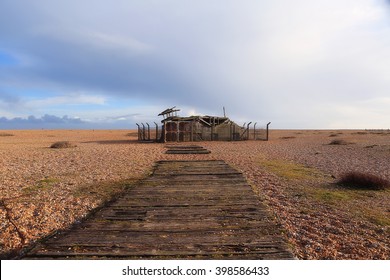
189	131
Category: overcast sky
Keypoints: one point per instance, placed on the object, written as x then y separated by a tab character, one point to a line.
110	64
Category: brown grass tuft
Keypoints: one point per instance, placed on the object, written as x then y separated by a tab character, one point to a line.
132	134
360	180
4	134
62	145
338	142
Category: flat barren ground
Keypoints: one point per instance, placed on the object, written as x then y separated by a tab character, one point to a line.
43	190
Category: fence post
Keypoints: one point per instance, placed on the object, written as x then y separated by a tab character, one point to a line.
254	131
156	131
247	127
143	132
139	132
148	131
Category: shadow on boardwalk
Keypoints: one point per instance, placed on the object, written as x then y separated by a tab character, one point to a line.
185	210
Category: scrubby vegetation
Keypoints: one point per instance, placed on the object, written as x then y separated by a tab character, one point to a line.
5	134
362	180
338	142
132	134
291	170
334	134
62	145
287	137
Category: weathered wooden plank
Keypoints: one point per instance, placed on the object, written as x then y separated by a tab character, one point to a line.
165	225
141	239
196	195
183	152
183	187
278	254
263	248
210	248
178	212
183	147
212	178
193	149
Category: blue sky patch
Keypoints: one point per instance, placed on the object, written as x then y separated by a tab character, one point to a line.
7	59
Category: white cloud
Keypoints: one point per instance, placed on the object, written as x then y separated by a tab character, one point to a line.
93	39
119	43
70	99
370	113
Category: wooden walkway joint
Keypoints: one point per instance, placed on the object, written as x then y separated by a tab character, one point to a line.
185	210
192	149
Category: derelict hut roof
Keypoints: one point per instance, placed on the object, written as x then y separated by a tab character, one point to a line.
207	120
212	120
170	112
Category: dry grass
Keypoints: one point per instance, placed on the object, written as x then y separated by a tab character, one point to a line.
62	145
5	134
360	180
40	185
132	134
335	134
338	142
290	170
371	146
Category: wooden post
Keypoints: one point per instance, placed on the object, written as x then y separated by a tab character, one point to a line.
212	129
214	122
192	131
177	131
164	132
231	132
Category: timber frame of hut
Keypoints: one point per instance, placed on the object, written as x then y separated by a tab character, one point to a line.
199	128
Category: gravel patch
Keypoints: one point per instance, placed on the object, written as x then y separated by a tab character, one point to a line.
44	189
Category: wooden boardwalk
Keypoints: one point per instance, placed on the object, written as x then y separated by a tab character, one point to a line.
180	149
185	210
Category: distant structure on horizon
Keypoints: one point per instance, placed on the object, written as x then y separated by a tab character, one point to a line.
198	128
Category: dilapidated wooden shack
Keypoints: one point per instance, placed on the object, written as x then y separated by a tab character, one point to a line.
199	128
